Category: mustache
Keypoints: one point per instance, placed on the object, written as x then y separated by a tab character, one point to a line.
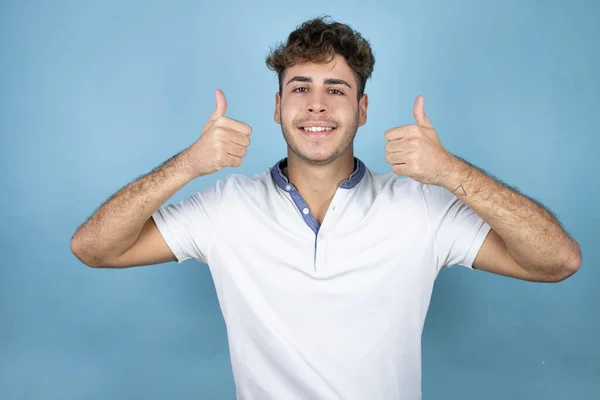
302	121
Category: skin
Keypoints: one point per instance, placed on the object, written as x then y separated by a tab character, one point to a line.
121	233
526	241
317	164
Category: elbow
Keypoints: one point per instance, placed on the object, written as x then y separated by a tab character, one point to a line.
574	262
564	273
79	252
570	266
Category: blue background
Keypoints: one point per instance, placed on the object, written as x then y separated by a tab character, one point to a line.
95	94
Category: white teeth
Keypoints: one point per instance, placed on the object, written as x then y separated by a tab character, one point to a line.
317	129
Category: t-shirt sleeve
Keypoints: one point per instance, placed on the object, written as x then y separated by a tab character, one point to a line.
188	225
458	230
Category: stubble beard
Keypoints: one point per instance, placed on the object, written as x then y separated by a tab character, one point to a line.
347	138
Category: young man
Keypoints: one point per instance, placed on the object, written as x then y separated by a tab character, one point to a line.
324	269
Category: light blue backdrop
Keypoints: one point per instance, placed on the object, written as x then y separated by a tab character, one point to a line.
95	94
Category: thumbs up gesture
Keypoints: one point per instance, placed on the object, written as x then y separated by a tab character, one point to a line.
415	151
222	144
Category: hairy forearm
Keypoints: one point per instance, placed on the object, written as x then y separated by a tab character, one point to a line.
533	236
117	224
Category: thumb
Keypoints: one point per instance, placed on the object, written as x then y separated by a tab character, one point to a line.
419	113
221	106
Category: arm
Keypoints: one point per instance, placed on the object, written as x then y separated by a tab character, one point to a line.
122	232
526	241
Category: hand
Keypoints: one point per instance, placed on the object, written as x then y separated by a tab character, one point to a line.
416	151
222	144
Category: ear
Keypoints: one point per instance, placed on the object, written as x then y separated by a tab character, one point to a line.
362	109
277	116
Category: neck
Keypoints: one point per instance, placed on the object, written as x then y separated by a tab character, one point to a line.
318	183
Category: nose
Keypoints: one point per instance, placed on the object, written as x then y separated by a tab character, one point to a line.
316	105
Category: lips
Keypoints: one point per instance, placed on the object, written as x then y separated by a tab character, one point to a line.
309	123
316	131
316	128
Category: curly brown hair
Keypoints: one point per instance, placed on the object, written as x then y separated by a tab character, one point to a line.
318	41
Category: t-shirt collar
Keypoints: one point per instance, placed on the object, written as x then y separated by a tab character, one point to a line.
282	181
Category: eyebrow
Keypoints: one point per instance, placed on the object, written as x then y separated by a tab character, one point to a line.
326	81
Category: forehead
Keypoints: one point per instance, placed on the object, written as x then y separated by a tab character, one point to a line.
336	68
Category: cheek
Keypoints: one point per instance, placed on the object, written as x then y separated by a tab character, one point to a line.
289	112
343	109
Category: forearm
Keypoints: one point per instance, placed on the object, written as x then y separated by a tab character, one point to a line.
117	224
532	234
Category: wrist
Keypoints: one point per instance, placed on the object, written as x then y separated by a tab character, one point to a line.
457	173
184	167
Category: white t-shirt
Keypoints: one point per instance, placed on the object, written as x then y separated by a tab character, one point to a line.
324	312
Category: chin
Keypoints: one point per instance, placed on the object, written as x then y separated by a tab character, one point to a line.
317	148
317	157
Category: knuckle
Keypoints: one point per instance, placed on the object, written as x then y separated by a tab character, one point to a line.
211	124
217	131
219	158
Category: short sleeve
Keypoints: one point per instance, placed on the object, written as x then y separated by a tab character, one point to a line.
187	226
459	231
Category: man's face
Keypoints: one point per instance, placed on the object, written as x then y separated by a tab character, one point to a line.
318	110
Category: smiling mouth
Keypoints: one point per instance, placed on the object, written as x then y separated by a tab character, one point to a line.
316	129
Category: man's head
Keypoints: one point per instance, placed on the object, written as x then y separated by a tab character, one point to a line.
322	71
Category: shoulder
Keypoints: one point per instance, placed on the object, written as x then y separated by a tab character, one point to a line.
397	188
236	185
404	192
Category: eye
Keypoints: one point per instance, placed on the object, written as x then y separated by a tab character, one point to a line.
336	91
299	89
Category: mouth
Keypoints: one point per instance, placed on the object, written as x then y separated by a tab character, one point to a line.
316	130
